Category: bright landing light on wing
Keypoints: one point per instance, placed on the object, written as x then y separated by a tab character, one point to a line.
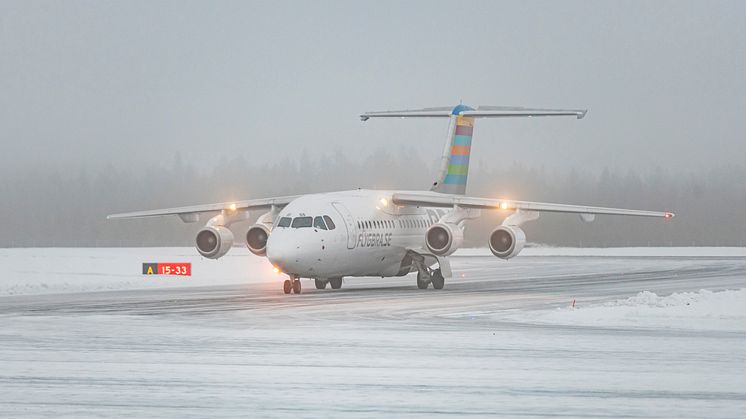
384	202
504	205
276	270
232	207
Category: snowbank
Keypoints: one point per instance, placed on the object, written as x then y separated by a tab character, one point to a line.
59	270
703	310
541	250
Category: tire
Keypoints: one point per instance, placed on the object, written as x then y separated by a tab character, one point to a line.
287	286
336	283
422	281
320	284
438	280
296	286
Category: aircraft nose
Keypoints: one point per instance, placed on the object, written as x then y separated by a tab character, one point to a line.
281	252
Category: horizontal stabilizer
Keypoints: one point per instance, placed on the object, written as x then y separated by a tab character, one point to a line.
480	112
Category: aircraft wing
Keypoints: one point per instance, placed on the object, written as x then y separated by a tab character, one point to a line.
449	201
187	213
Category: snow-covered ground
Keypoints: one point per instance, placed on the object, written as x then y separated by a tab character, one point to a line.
650	336
60	270
27	271
702	310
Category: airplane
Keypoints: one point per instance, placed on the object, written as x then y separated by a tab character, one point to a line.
388	233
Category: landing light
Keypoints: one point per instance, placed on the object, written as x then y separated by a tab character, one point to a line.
668	215
384	202
276	270
232	207
504	205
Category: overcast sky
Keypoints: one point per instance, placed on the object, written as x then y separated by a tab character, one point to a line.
88	84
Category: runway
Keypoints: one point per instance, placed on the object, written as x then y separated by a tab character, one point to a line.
379	346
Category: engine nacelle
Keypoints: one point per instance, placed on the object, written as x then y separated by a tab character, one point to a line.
256	239
507	241
214	242
444	239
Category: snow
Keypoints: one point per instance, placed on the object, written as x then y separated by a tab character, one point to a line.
543	250
702	310
499	340
61	270
31	271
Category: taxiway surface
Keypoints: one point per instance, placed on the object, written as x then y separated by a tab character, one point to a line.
379	346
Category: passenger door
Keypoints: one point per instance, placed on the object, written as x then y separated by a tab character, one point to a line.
349	224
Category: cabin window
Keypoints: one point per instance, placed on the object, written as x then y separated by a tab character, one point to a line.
318	222
302	222
284	222
329	222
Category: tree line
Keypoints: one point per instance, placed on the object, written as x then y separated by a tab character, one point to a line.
68	208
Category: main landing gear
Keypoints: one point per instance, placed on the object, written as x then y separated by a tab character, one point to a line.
336	283
428	276
292	285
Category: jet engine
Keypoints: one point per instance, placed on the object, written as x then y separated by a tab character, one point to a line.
256	239
507	241
214	241
444	239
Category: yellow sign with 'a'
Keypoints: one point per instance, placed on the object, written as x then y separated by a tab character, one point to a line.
149	268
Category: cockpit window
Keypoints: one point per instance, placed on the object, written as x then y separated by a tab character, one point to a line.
302	222
284	222
318	222
329	222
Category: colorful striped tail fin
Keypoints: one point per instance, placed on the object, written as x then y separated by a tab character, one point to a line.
454	167
454	162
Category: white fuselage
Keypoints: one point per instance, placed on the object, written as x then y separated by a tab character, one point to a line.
370	236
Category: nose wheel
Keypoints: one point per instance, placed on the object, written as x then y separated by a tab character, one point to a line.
291	285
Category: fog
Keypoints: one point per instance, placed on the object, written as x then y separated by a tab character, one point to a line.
110	107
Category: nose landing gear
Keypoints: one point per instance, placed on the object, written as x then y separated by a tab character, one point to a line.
292	285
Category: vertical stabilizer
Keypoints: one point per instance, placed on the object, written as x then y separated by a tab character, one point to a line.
454	163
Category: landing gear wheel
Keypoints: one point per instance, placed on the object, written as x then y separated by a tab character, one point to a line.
320	284
422	280
296	286
287	286
336	283
437	279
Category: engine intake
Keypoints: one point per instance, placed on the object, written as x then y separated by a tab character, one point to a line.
507	241
214	242
256	239
444	239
